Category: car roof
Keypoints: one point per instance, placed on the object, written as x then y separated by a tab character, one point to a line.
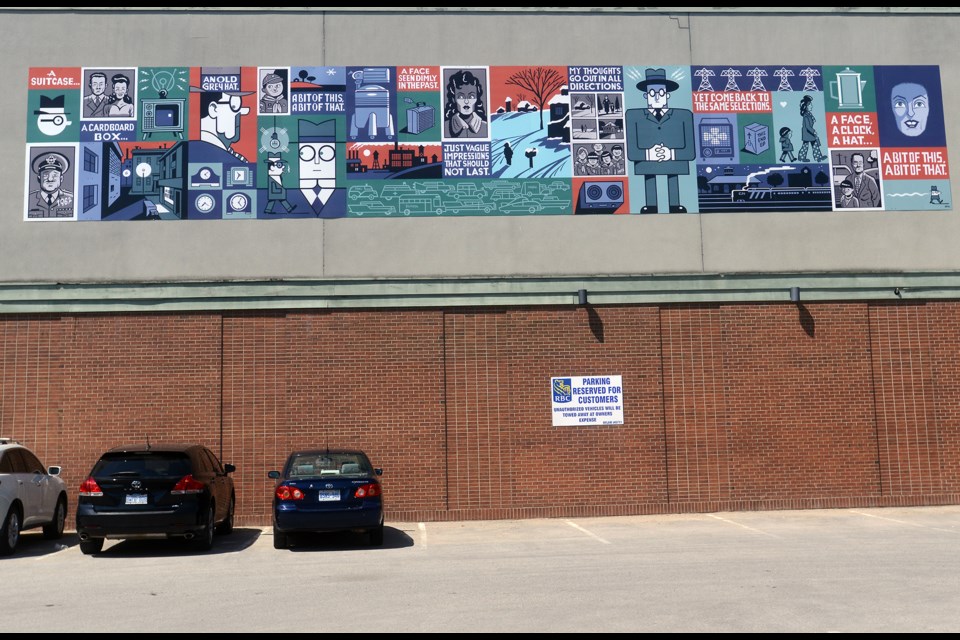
324	451
160	446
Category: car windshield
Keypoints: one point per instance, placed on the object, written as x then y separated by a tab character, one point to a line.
143	464
306	465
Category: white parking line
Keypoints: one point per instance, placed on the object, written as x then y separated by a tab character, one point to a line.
912	524
423	534
741	525
592	535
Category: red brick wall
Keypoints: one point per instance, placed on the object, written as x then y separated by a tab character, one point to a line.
727	407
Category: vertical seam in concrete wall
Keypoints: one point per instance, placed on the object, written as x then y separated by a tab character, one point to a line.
689	28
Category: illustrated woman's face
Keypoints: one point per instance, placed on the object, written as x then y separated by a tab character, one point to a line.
911	106
466	100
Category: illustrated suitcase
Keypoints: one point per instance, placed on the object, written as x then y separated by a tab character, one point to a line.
420	118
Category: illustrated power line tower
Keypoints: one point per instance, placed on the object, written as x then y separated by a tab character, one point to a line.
705	75
731	75
784	74
809	74
757	74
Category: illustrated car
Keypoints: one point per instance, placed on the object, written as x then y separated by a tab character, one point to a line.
150	209
156	491
327	490
30	496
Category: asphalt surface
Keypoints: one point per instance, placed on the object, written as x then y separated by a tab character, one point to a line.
818	571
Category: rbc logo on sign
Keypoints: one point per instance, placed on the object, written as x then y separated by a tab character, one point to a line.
561	390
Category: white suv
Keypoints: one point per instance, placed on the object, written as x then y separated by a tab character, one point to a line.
29	496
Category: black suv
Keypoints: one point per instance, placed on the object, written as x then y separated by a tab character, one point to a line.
156	491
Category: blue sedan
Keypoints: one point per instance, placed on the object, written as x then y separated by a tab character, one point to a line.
327	490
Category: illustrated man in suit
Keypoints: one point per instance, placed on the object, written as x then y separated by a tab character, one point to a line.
865	187
95	103
660	140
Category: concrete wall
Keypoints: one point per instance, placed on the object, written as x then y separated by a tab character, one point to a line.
468	247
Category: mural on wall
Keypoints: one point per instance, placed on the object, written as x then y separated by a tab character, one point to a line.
298	142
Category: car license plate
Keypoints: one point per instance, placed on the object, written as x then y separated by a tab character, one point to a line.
136	498
327	495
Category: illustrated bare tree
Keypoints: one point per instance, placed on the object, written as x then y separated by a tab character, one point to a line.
542	82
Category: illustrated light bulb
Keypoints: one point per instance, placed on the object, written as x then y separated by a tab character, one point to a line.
163	81
274	141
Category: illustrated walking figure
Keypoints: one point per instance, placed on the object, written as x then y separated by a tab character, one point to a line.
507	152
276	192
786	145
810	137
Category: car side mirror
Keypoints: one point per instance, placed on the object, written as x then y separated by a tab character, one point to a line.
53	471
229	468
379	471
273	474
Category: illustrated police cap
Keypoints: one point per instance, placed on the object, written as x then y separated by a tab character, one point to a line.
51	160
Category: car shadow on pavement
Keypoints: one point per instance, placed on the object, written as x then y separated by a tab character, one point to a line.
240	539
343	540
32	544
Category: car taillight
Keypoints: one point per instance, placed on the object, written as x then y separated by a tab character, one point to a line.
371	490
90	488
284	492
188	484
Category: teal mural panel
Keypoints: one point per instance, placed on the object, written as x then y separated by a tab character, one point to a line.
299	142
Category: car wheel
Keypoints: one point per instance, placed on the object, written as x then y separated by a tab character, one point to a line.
54	529
279	538
91	546
204	542
226	527
376	536
10	532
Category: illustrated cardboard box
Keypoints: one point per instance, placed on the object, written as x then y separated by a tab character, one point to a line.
756	138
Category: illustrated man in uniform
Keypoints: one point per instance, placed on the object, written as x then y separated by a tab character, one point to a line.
51	200
660	140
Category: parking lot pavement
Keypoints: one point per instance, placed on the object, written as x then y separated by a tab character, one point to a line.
837	570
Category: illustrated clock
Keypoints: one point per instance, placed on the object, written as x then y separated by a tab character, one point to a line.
205	203
239	202
205	173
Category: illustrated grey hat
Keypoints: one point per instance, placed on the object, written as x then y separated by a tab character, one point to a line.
52	160
273	157
657	77
50	106
325	131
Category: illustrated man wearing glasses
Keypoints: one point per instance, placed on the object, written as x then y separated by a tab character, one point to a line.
220	125
317	142
660	140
